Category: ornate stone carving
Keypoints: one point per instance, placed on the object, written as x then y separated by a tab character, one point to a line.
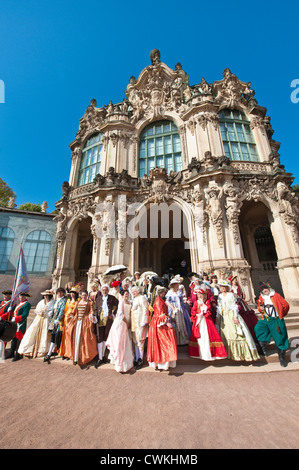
81	208
61	219
92	120
194	166
215	162
122	223
66	188
288	208
214	195
159	187
200	215
258	122
258	188
275	161
157	90
233	205
11	201
105	221
204	118
231	92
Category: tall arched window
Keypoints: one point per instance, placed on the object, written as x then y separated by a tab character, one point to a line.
37	250
90	159
160	146
6	243
238	140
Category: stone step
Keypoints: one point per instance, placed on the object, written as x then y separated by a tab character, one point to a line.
291	320
189	365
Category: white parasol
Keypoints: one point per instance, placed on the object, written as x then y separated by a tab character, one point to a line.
148	273
118	268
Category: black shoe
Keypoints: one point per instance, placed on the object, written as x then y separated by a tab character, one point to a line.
98	363
281	355
47	359
263	345
139	364
105	360
13	348
17	357
10	355
75	363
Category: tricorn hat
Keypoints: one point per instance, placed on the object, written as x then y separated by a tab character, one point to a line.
7	292
25	294
263	285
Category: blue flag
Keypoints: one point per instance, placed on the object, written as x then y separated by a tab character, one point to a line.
22	282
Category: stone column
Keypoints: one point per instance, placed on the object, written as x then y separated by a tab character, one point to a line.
287	248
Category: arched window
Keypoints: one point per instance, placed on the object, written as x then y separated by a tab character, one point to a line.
237	137
37	250
6	243
160	146
90	159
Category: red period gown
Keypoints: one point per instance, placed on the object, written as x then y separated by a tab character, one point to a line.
162	343
245	311
205	341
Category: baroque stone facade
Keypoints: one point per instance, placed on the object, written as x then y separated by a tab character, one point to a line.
231	206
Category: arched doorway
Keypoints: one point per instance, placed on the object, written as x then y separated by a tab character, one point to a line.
84	249
173	253
258	244
163	241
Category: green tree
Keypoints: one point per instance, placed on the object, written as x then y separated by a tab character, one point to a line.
5	193
295	188
28	206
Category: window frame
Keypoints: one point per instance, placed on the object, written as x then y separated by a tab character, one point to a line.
171	160
32	266
234	147
9	244
85	173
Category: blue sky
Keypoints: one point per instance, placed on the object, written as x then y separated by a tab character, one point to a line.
55	56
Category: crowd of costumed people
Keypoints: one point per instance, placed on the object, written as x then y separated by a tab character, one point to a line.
131	320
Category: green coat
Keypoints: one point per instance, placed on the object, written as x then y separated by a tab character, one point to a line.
20	316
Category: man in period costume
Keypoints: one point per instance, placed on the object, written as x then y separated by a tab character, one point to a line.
20	315
139	324
5	303
273	308
105	307
58	316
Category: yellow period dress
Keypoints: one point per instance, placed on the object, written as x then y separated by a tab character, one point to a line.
237	339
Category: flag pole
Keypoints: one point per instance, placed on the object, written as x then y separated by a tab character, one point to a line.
21	276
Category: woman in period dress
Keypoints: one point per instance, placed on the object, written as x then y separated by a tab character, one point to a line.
162	344
245	311
93	292
81	343
205	341
179	317
201	285
238	342
68	314
119	340
35	340
115	289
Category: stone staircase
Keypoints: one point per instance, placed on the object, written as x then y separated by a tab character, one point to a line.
186	364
